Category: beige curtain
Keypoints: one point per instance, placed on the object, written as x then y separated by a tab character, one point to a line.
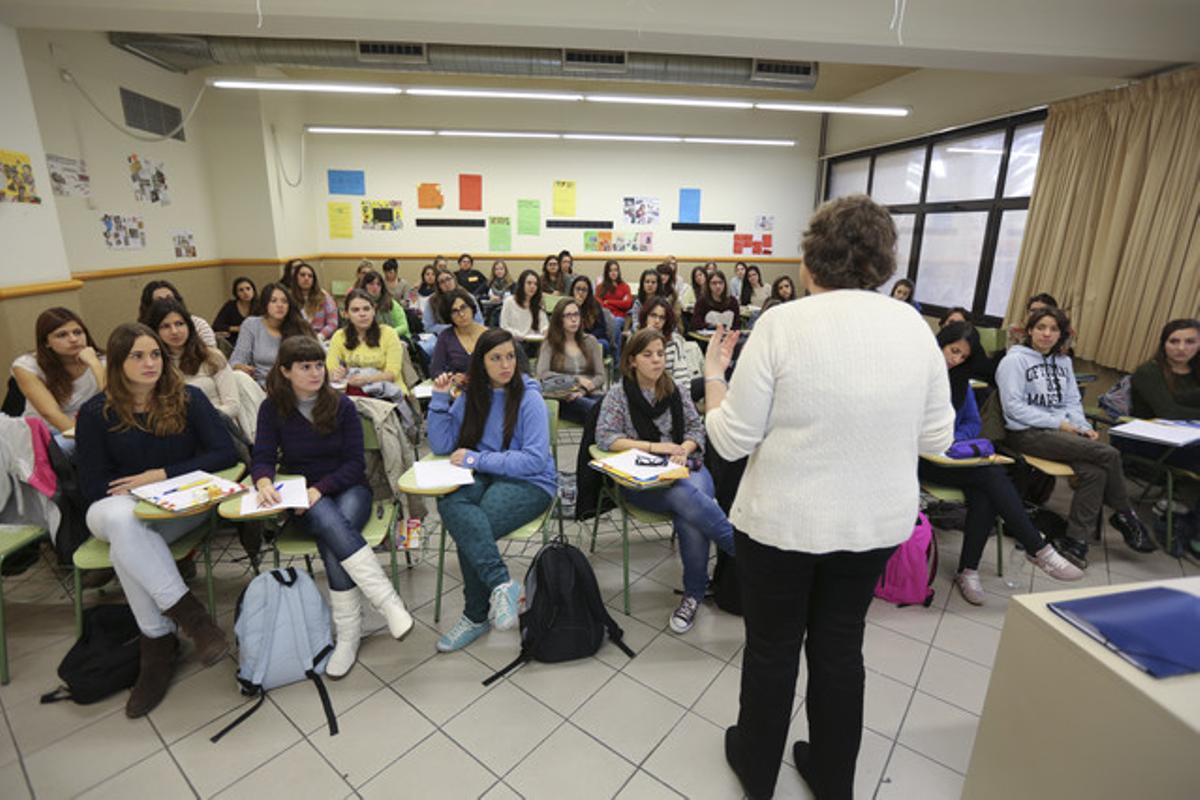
1114	221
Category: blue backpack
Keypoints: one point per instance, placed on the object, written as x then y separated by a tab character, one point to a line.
283	633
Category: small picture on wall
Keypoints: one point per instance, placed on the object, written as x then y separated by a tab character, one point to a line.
641	210
16	178
149	180
123	232
764	222
618	241
69	176
185	244
382	215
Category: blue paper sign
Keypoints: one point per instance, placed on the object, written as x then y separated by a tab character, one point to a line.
347	181
689	205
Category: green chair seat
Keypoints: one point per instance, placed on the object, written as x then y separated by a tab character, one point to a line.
12	539
93	554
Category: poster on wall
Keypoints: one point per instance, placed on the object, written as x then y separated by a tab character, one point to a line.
346	181
69	176
499	234
564	198
764	222
618	241
470	193
689	205
529	217
641	210
17	173
184	243
149	180
382	215
123	232
748	243
341	220
429	195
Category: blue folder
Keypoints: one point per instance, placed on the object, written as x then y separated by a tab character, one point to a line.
1157	630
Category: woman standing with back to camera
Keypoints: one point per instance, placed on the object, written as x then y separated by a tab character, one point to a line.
830	489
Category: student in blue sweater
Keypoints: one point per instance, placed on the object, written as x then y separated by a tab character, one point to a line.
148	426
311	430
500	429
988	489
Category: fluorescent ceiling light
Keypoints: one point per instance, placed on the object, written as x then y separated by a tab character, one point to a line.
502	134
837	108
499	94
720	140
647	100
975	151
306	86
368	131
621	137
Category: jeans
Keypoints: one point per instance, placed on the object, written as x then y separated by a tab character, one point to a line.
696	519
989	493
142	559
479	515
336	522
787	596
577	410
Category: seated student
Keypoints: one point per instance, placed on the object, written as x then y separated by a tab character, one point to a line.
258	341
499	428
63	371
397	287
289	269
666	283
658	315
988	489
428	281
499	286
452	353
592	318
522	314
387	309
308	429
1016	333
783	289
905	291
613	292
1168	386
716	306
363	268
553	279
229	319
435	316
570	364
978	365
647	411
739	279
200	365
316	304
753	291
363	351
158	290
470	278
710	267
566	262
692	289
647	288
148	426
1044	417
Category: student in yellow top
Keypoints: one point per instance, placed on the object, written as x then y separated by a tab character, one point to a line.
362	351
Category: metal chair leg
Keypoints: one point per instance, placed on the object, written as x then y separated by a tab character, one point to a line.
437	603
625	553
1000	547
3	633
1170	509
208	578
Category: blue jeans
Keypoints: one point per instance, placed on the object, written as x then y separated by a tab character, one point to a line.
577	410
479	515
696	519
336	522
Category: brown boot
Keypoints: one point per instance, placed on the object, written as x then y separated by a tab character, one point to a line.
156	666
192	618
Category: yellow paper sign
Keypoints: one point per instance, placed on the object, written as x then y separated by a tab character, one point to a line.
341	221
16	178
564	198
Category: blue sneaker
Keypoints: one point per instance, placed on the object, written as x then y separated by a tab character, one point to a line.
505	606
462	634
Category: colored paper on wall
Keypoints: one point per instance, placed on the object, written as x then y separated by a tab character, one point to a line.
341	220
641	210
123	232
429	195
499	234
382	215
68	176
564	198
470	193
17	173
748	243
149	180
347	181
764	222
529	217
618	241
689	205
184	243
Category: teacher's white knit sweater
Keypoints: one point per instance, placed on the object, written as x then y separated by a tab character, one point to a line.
833	397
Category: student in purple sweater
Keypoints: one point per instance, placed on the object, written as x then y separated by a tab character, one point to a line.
309	429
500	429
148	426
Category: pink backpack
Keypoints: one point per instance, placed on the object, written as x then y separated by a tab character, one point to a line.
907	578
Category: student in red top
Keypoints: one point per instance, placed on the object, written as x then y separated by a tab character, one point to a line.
613	292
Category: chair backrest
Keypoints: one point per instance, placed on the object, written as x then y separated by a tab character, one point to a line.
552	415
992	339
341	288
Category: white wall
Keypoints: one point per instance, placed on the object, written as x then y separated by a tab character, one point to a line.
291	206
70	127
32	251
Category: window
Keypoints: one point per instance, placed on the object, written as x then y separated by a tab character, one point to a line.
960	199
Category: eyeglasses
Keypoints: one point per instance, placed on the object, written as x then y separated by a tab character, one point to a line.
571	315
460	310
660	317
651	461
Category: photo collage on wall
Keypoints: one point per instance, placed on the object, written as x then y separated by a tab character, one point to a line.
149	180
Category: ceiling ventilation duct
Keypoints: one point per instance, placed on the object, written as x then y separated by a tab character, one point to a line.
185	53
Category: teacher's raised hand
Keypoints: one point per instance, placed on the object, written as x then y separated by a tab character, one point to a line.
720	352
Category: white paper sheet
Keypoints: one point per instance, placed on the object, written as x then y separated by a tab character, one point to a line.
1172	434
183	492
293	491
423	390
626	463
433	474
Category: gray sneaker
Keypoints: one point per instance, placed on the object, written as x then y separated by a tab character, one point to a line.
969	586
1051	562
684	616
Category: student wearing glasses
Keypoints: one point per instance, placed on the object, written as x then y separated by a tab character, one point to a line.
452	353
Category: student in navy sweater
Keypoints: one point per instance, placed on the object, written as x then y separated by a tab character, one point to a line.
500	429
309	429
148	426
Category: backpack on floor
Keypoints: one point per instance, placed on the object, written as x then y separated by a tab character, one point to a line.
564	616
283	633
907	578
105	660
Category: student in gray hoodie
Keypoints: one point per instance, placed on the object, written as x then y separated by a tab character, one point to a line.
1043	415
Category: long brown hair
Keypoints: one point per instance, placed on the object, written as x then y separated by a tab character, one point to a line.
167	412
58	379
299	349
310	302
590	309
195	353
383	303
665	384
293	323
1160	355
556	337
371	337
479	393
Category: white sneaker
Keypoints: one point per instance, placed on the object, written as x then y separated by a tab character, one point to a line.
1051	562
685	616
969	586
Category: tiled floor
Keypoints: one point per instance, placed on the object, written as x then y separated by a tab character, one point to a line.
415	724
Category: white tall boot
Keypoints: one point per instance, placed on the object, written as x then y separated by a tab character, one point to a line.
373	582
347	629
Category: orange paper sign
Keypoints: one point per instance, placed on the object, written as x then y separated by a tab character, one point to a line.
470	192
429	195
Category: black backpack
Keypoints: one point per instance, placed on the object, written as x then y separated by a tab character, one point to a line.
104	661
564	616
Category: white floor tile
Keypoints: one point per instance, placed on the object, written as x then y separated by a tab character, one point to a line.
211	767
892	654
643	786
94	754
674	669
628	717
389	659
198	699
12	778
637	635
968	639
910	775
502	727
939	731
716	632
300	768
564	686
436	769
884	703
158	771
692	761
371	735
955	680
500	791
916	622
443	686
570	764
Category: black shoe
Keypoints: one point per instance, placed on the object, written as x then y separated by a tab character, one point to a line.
802	756
733	757
1072	550
1133	531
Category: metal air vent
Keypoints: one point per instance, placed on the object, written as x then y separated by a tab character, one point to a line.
392	53
574	60
799	73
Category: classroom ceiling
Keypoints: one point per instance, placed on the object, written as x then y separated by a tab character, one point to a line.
1103	38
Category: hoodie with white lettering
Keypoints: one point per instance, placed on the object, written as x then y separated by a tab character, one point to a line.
1038	391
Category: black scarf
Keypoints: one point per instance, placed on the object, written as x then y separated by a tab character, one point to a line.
643	414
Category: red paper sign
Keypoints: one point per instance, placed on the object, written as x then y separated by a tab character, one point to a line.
749	243
470	193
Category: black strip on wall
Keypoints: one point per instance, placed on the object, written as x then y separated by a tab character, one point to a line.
601	224
427	222
703	226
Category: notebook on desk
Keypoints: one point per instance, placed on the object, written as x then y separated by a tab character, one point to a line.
1157	629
